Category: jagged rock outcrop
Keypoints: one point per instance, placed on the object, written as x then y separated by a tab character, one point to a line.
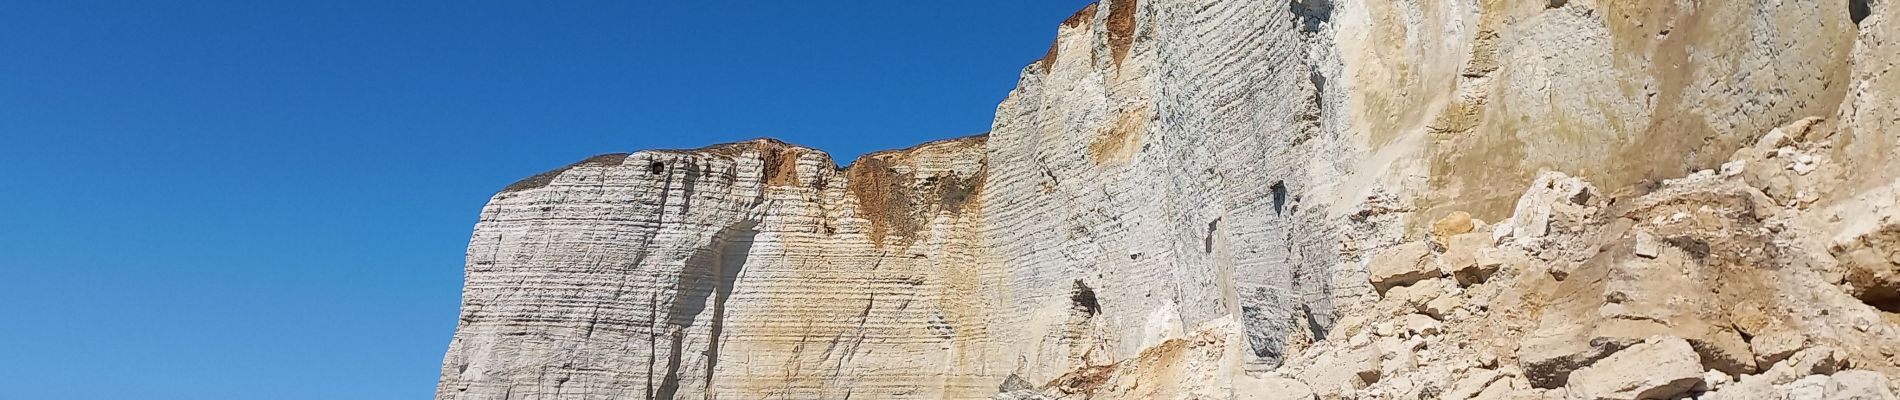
1228	199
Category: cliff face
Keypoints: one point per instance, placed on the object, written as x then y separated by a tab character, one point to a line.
1239	199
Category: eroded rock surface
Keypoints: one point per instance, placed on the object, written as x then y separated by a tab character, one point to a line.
1311	199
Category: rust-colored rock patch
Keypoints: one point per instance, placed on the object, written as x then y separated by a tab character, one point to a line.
1119	141
1121	28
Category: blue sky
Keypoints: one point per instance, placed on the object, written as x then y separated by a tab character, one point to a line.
271	200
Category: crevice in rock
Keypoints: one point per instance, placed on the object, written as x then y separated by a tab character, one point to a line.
1208	244
689	181
1319	86
1083	299
670	385
1313	325
1279	197
1858	10
653	321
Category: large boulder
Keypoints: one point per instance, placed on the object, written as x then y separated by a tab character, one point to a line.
1470	258
1658	368
1402	265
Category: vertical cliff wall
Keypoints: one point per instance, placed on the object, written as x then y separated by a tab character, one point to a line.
1223	172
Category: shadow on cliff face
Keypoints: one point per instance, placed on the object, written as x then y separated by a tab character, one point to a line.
709	274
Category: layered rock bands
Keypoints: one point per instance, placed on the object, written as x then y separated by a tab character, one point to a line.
1299	199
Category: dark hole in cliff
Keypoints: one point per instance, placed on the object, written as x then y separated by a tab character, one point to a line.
1858	10
1083	299
1311	13
1890	303
1313	326
656	168
1208	244
1279	197
1555	3
1319	84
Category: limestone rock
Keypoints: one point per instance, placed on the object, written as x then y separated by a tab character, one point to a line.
1647	246
1859	385
1470	258
1844	385
1402	265
1442	307
1220	199
1420	325
1457	223
1872	258
1554	198
1772	347
1659	368
1273	389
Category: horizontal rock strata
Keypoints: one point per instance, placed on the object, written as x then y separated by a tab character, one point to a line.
1229	199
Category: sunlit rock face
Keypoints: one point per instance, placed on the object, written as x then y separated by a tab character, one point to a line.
1198	198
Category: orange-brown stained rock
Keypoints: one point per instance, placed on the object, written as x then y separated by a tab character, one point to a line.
899	203
1086	379
781	165
883	196
780	158
1121	28
1078	19
1117	143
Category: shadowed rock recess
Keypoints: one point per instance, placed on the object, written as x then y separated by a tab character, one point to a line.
1313	199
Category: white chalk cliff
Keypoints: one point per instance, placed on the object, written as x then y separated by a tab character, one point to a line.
1583	199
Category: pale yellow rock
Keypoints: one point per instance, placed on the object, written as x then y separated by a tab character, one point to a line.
1442	307
1469	258
1647	245
1456	223
1402	265
1420	325
1273	389
1659	368
1774	346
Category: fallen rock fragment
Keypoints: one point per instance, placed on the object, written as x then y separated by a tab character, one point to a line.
1658	368
1774	346
1859	385
1273	388
1647	246
1456	223
1469	258
1402	265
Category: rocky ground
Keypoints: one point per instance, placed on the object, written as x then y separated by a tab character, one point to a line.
1739	283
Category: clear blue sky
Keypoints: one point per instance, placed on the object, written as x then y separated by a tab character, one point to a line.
240	200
